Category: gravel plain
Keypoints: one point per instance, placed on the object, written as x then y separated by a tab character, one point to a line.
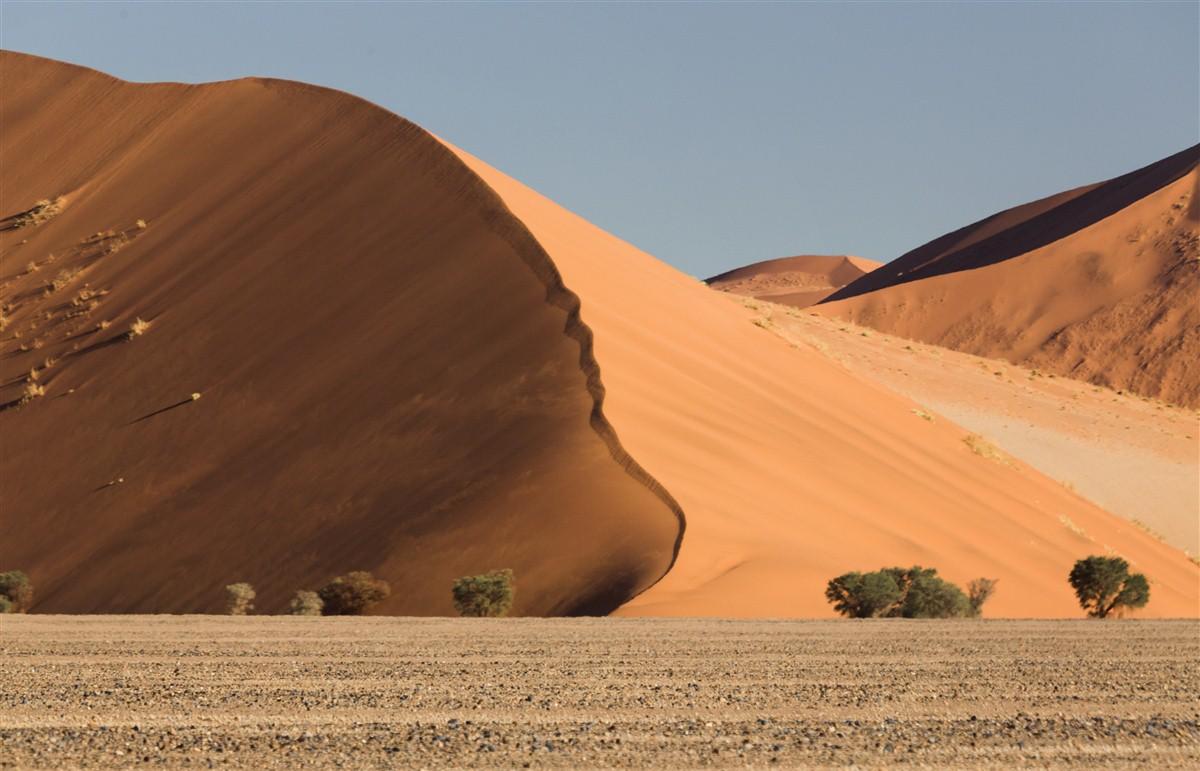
279	692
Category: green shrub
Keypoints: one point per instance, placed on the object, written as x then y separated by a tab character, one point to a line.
239	599
1104	585
6	605
933	597
487	595
978	592
859	595
353	593
914	592
306	603
16	588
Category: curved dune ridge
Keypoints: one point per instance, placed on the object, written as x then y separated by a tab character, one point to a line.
392	377
791	470
798	281
1097	283
396	374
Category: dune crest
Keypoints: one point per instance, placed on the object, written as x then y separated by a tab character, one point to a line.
393	377
791	470
1097	283
798	281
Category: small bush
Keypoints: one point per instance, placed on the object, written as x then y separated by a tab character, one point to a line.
239	599
914	592
353	593
978	592
33	390
17	591
6	605
306	603
487	595
1104	585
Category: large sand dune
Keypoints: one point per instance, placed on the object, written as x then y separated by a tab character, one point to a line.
1098	283
790	470
396	375
798	281
391	378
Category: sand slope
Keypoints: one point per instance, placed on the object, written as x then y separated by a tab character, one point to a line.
1098	283
798	281
391	378
790	470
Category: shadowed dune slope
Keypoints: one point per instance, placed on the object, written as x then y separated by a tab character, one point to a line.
1098	283
798	281
392	375
791	470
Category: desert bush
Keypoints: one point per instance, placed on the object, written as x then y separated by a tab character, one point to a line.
6	605
17	590
1104	585
914	592
353	593
978	592
864	595
306	603
485	595
239	599
933	597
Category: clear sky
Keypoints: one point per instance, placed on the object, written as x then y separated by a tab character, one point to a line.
714	134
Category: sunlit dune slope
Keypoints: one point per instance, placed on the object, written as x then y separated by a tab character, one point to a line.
791	471
1098	283
392	377
797	281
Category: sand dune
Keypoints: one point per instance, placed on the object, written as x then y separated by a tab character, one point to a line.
391	380
790	470
397	375
798	281
1098	283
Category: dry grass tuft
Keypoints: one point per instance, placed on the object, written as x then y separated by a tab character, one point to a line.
41	211
985	449
1070	525
923	415
32	390
1149	530
138	328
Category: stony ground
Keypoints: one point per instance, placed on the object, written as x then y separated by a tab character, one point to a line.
118	692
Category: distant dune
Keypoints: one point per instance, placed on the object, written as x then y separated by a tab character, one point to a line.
410	363
798	281
1098	283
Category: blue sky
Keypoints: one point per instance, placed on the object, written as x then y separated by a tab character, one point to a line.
714	134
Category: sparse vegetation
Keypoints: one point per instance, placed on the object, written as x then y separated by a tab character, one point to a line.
352	594
306	603
985	449
16	592
41	211
923	415
980	591
1104	586
64	277
138	328
486	595
1069	524
33	390
914	592
239	599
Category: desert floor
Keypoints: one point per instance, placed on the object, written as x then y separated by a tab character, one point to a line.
1133	456
210	691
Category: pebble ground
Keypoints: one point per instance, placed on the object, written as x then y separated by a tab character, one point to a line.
277	692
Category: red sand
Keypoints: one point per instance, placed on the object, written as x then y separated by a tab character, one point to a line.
396	376
1098	283
798	281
